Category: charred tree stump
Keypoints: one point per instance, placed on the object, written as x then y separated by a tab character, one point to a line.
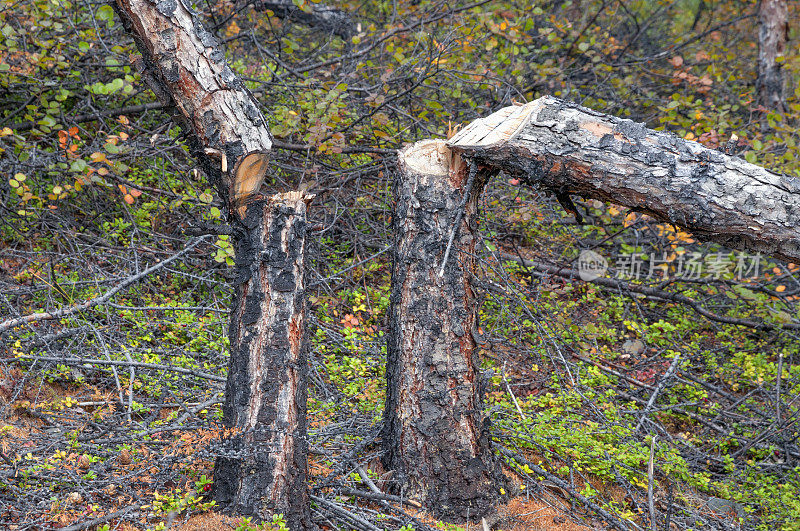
568	149
265	397
436	436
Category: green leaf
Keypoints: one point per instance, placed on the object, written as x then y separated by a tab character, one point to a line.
106	13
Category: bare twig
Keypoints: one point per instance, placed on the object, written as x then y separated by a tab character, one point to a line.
65	312
473	169
660	387
650	502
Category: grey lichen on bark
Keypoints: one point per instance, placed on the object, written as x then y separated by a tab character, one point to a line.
571	149
264	470
436	435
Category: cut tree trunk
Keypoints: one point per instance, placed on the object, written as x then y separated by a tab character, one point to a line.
773	33
265	397
569	149
436	435
186	69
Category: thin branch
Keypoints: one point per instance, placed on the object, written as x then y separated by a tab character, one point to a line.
573	274
473	169
65	312
119	363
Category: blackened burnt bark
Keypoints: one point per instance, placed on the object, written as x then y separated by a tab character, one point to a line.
570	149
436	436
265	398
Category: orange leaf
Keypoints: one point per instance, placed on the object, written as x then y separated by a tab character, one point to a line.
135	193
73	131
780	289
129	199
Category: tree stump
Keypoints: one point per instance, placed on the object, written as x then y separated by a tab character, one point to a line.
265	397
436	435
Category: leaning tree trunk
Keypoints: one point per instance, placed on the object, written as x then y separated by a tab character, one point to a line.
436	435
265	403
265	397
569	149
773	32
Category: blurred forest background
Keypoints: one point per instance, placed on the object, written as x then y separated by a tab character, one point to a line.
110	412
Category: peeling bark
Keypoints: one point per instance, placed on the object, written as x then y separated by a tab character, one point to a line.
186	69
773	33
573	150
436	435
320	16
265	397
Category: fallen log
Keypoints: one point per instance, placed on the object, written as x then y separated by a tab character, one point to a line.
570	149
319	16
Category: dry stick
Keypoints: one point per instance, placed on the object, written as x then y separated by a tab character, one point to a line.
353	519
367	480
510	392
473	169
380	496
778	390
64	312
659	388
650	502
375	490
114	363
101	520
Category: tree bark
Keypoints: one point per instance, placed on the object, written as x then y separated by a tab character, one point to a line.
569	149
186	69
265	397
436	435
773	33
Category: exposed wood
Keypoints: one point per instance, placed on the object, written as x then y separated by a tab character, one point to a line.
320	16
569	149
186	69
436	435
265	397
773	33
